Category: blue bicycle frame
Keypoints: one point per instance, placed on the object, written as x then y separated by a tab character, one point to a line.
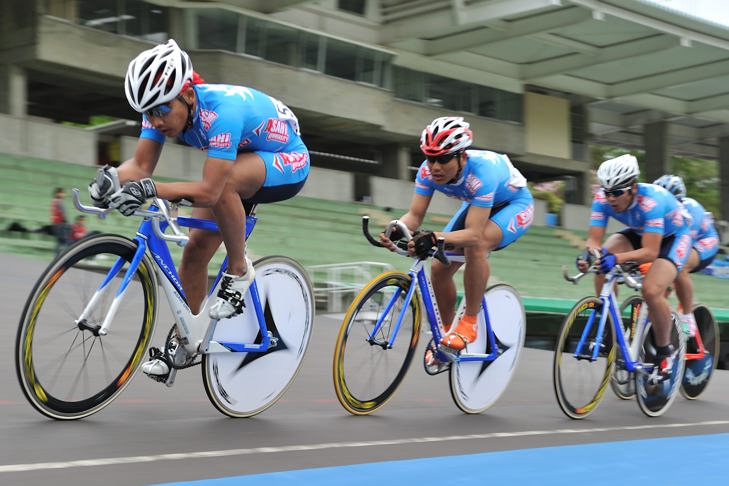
607	297
147	239
419	278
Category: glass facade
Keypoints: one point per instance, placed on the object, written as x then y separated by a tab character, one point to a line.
457	95
125	17
216	28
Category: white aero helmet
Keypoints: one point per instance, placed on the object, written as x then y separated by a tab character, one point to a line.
618	172
446	135
157	76
674	184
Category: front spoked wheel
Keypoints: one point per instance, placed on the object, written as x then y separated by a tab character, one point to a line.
655	397
370	362
579	380
477	385
241	384
699	369
622	381
66	369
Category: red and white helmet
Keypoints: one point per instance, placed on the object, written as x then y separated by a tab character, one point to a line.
157	76
446	135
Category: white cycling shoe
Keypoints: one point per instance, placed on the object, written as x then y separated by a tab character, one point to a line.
232	293
155	368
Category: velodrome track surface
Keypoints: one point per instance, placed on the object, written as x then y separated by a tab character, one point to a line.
153	435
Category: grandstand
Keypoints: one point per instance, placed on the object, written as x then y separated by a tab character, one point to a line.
318	232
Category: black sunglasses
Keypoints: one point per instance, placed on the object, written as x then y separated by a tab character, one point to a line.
441	159
615	192
159	110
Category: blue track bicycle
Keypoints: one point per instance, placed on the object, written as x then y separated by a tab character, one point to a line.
379	336
593	350
91	314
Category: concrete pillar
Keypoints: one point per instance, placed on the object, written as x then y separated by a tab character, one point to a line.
657	151
13	90
724	177
396	161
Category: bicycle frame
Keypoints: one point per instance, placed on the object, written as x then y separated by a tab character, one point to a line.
419	279
195	331
609	301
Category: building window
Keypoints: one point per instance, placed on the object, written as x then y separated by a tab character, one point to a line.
352	6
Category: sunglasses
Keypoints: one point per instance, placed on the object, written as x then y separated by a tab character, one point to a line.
615	192
159	110
441	159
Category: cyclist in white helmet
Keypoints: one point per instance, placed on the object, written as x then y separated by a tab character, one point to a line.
254	155
704	249
497	209
656	232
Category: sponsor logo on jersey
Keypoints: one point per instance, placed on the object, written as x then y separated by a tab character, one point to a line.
709	243
207	117
258	129
244	143
473	184
655	223
486	198
425	172
145	123
646	203
221	140
684	245
277	130
523	219
294	160
597	216
600	197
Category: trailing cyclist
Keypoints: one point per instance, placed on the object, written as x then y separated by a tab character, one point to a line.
705	247
254	155
497	209
656	232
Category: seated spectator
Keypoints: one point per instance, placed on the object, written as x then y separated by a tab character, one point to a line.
61	227
78	229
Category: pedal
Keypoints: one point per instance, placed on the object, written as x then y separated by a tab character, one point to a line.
431	363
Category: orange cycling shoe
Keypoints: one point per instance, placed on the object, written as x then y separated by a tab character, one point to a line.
465	332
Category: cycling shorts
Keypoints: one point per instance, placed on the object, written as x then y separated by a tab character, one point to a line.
674	248
513	218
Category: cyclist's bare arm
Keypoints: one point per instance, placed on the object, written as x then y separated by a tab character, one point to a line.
143	163
412	219
473	232
650	247
595	235
202	194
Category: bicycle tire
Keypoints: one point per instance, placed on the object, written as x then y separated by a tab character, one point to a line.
53	308
245	384
698	372
622	381
361	386
477	385
655	400
575	398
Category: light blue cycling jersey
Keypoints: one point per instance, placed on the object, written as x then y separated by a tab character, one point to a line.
488	179
702	222
654	210
231	119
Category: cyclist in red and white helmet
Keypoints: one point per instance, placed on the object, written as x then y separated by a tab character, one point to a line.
254	154
497	209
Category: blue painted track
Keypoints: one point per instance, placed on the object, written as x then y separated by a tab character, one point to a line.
667	461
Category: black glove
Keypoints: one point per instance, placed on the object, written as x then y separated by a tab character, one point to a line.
423	240
105	184
396	234
132	195
585	256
